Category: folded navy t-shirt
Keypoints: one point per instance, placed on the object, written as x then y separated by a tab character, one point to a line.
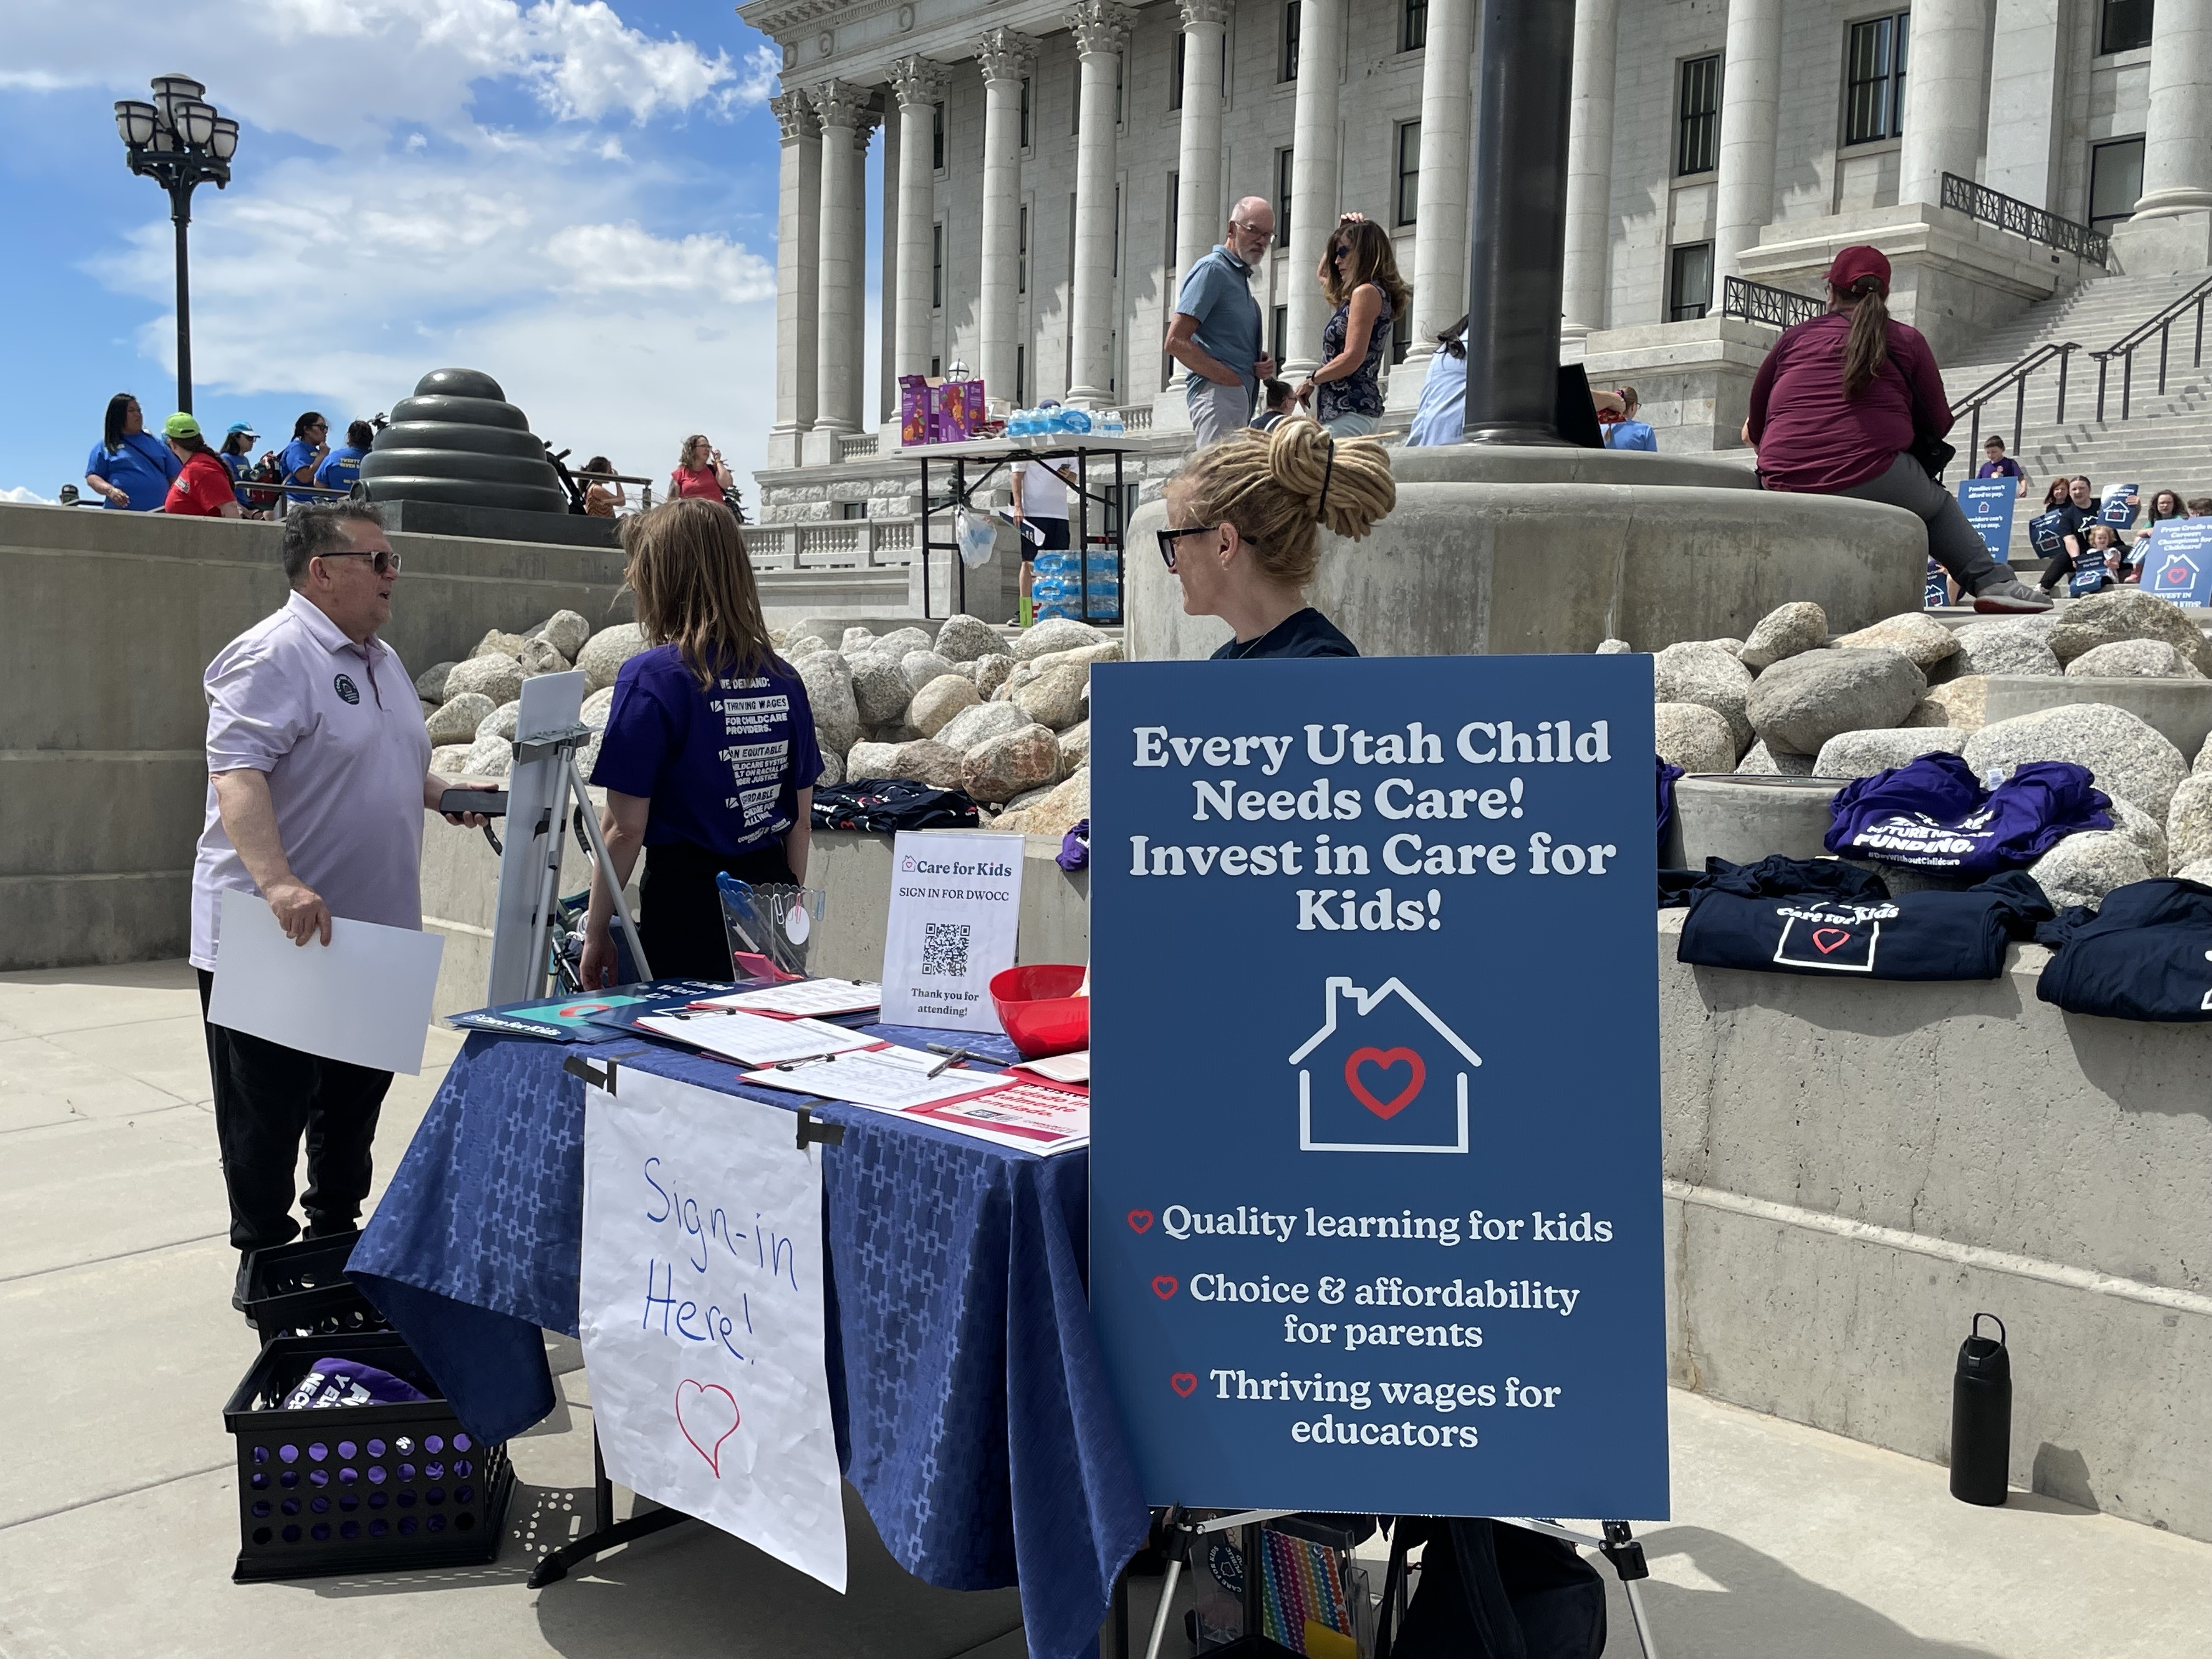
1934	814
2145	953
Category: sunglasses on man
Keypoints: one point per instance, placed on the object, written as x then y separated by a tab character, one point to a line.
387	564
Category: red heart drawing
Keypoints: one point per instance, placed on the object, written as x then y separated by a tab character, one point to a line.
1164	1286
1384	1060
709	1417
1140	1219
1828	940
1183	1382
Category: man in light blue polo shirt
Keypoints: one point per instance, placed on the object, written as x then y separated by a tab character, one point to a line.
1215	332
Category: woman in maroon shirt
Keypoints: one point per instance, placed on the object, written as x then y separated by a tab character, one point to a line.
1839	404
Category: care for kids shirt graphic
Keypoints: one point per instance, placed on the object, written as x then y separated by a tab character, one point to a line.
1375	1172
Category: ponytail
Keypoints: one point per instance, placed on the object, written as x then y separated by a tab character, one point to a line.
1868	347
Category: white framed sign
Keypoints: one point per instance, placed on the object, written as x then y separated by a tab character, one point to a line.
956	903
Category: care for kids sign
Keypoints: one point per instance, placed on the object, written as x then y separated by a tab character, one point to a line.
955	901
1375	1172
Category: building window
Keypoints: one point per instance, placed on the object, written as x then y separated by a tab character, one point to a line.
1413	25
1175	207
1874	106
1697	128
936	266
1116	268
1075	100
2115	181
1174	81
1283	197
2125	26
1025	112
1021	375
1118	117
1409	171
937	137
1286	68
852	509
936	368
1402	337
1689	282
1279	335
1022	255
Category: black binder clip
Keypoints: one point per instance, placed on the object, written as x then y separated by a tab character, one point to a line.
577	1065
811	1128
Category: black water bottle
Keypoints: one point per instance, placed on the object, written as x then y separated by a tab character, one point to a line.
1981	1416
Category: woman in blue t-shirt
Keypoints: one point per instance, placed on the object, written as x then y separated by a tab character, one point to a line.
129	467
710	757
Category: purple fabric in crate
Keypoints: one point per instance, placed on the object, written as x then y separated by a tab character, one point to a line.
382	1387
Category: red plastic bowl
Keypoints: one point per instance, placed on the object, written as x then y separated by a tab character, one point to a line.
1038	1006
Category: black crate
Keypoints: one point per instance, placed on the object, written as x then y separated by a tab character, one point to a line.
353	1489
301	1289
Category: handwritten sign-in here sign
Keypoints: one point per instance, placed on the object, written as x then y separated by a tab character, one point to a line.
702	1314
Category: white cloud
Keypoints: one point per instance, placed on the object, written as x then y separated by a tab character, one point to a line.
623	258
24	496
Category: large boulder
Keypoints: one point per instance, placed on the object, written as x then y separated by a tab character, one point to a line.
1961	702
1075	746
981	723
2133	659
1056	698
992	673
1062	810
596	707
2189	820
2082	869
1708	676
937	702
1005	766
872	760
1055	634
1760	762
828	682
498	678
1803	701
1104	651
2127	756
1690	735
920	668
1614	648
2016	646
539	656
857	638
2146	831
1914	633
1788	631
936	764
458	718
450	760
496	644
489	756
502	721
430	683
899	640
964	638
832	770
566	632
880	687
606	651
1862	754
2127	614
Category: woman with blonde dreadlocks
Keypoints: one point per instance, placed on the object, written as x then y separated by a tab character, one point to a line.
1244	518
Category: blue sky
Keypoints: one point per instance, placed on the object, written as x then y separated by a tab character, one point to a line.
578	199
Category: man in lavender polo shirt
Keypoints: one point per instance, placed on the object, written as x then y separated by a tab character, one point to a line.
318	771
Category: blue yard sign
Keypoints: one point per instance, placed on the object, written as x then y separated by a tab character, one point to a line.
2176	560
1988	504
1374	1169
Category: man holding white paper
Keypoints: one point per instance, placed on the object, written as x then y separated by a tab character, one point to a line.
319	770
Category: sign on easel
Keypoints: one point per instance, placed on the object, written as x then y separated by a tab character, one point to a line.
701	1307
956	902
1376	1184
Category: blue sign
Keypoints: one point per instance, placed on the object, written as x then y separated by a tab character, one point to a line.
2120	506
1376	1173
1988	504
1936	591
2176	560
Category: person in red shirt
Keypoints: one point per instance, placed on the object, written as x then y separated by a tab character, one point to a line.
1841	403
205	488
699	471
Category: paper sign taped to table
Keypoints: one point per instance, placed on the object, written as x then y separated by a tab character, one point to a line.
364	998
1029	1117
955	902
701	1307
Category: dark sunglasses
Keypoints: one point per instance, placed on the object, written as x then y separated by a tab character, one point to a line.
1338	253
387	564
1168	538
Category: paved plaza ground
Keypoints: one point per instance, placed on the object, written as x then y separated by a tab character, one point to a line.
117	1505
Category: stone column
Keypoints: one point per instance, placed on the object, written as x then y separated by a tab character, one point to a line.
919	85
2031	68
797	273
2178	133
1590	166
887	287
1751	79
1006	57
846	121
1102	30
1199	213
1313	179
1943	86
1440	229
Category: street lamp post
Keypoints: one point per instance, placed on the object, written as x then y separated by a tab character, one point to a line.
181	141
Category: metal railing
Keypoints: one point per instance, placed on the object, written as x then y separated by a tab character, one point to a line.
2125	347
2014	378
1777	307
2009	213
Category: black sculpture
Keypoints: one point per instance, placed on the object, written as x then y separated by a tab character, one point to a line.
458	441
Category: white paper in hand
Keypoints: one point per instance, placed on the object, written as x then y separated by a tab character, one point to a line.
700	1306
364	998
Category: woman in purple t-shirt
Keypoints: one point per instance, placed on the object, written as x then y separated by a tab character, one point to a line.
710	757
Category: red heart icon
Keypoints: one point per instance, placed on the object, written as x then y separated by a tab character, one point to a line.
1828	940
1183	1382
1141	1220
1164	1286
706	1417
1384	1060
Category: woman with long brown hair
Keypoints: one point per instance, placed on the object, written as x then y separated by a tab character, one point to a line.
710	758
1848	403
1359	276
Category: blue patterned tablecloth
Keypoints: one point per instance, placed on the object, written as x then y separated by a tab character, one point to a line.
972	1413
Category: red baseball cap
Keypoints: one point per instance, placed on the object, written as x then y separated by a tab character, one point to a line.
1854	264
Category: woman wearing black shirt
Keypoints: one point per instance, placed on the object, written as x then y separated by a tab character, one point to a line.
1244	517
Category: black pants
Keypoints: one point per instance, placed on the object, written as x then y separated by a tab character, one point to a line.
681	925
266	1098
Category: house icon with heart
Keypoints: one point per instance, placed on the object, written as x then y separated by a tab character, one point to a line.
1382	1074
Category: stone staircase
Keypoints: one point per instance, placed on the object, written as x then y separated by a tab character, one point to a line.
2166	441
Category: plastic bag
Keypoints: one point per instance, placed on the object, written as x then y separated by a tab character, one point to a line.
977	536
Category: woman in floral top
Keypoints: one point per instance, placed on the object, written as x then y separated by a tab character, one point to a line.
1359	274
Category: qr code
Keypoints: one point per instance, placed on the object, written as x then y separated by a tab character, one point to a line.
944	948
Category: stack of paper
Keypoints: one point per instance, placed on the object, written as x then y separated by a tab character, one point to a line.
805	996
753	1039
889	1079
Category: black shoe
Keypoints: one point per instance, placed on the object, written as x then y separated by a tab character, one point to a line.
239	1288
